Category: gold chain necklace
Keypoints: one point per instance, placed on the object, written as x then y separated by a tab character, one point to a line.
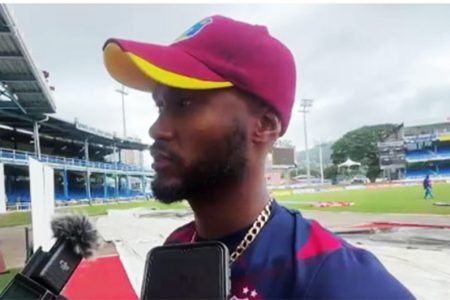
251	233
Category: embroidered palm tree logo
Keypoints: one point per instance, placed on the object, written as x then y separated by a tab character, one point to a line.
194	30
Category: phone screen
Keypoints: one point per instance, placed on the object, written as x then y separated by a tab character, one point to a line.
187	271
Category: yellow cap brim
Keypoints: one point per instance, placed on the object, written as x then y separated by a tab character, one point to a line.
132	70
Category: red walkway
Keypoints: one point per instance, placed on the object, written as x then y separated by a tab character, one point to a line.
102	278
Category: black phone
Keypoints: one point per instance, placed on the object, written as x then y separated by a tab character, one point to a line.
187	271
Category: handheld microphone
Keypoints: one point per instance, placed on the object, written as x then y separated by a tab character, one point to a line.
46	273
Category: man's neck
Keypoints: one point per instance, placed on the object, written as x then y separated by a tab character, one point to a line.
218	214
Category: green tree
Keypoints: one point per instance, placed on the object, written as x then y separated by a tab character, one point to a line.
361	145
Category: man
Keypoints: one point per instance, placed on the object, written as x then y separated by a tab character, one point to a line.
225	92
427	187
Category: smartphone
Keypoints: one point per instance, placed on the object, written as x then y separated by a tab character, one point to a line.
187	271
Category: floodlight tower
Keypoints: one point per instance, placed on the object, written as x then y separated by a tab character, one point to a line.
305	105
123	93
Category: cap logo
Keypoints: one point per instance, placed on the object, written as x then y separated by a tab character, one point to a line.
194	30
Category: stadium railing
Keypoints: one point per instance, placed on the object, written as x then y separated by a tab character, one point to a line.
22	156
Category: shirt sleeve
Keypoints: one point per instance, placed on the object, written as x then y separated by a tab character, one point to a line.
352	273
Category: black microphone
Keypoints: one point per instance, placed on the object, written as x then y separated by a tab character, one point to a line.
46	273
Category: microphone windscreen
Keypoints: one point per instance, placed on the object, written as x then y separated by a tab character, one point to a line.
79	231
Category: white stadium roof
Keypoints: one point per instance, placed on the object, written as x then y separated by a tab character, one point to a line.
22	85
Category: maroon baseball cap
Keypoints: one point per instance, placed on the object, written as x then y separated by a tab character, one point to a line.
217	52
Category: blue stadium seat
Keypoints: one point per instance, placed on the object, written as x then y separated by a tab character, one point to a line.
22	195
418	173
443	153
419	155
445	172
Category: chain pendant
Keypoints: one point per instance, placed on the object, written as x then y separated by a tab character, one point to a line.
252	232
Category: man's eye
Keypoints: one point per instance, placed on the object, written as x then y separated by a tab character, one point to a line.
184	103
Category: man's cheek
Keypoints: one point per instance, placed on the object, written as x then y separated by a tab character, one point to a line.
209	122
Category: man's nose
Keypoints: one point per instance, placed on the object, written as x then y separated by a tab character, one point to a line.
162	129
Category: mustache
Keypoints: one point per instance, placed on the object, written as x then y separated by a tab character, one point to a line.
161	148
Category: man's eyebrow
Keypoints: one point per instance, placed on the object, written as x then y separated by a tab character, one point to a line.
164	95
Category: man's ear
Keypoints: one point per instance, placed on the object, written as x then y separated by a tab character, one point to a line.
268	127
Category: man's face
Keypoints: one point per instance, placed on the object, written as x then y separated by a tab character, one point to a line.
201	142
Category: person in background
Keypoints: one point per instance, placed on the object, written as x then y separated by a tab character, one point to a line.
427	187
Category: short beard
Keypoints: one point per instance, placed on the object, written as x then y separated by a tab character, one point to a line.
210	174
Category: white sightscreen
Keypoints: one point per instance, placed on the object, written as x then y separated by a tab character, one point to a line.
2	190
42	203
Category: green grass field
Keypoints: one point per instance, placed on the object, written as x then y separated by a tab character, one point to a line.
407	200
5	278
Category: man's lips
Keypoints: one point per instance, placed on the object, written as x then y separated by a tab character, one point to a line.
161	160
161	164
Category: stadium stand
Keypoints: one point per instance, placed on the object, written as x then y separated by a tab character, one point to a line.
86	161
425	150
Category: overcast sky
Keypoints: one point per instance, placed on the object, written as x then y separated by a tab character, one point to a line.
362	64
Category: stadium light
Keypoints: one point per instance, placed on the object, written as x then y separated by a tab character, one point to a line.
305	105
320	144
123	93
